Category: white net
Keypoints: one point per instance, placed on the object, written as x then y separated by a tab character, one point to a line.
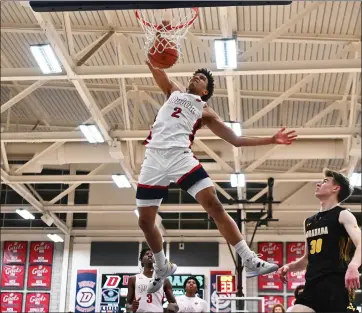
164	28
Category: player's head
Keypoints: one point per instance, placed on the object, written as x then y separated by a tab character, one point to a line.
191	285
298	291
278	308
146	257
335	185
202	84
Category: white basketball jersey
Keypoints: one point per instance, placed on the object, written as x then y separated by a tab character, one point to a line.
177	122
191	304
149	302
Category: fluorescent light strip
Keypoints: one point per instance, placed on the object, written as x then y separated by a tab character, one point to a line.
237	180
137	213
355	180
25	214
121	181
225	53
55	238
92	133
46	59
235	126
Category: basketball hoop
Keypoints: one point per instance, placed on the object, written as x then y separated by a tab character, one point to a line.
171	25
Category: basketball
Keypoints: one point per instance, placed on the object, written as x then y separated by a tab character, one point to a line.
163	54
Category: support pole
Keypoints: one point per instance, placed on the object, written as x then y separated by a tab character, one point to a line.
240	304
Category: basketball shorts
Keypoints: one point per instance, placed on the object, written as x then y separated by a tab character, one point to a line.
161	167
325	294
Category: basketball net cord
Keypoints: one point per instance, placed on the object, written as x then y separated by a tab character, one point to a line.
162	24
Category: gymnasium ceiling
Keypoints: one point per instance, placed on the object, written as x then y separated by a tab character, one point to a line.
299	67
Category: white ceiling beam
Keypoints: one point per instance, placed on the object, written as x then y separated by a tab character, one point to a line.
107	179
294	168
279	31
353	162
224	165
322	114
244	94
4	157
22	191
259	161
68	33
353	106
185	70
73	187
290	91
21	95
166	208
202	134
223	192
208	35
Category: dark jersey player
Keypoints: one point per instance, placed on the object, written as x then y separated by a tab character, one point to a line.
330	279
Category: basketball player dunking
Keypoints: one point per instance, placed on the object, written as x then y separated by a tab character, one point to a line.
138	300
190	302
168	158
329	278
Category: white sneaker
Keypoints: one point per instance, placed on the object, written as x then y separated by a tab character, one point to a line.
159	276
254	266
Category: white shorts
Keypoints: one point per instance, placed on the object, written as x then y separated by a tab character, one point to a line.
163	166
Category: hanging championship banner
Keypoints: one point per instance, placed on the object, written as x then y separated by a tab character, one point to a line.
271	252
41	252
85	298
295	250
37	302
14	252
290	301
39	276
269	302
11	302
224	305
13	276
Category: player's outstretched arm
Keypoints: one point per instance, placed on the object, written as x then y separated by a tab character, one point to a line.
347	219
167	86
218	127
172	304
131	294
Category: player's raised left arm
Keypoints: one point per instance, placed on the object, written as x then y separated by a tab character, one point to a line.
218	127
172	304
347	219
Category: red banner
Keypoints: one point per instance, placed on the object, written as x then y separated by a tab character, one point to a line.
39	276
37	302
271	252
41	252
290	301
295	250
269	302
13	276
11	302
14	252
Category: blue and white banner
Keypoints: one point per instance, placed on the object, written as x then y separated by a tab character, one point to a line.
85	298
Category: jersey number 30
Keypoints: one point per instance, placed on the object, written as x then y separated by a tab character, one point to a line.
316	246
177	112
149	298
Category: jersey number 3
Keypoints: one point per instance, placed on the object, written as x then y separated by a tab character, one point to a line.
316	246
149	298
177	112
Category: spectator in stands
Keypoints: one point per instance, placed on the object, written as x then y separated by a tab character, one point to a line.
297	292
278	308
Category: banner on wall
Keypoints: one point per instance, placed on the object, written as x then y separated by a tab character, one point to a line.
224	305
14	252
271	252
41	252
37	302
290	301
39	276
13	276
11	302
295	250
269	302
86	289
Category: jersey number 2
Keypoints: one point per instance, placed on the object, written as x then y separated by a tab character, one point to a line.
177	112
149	298
316	246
